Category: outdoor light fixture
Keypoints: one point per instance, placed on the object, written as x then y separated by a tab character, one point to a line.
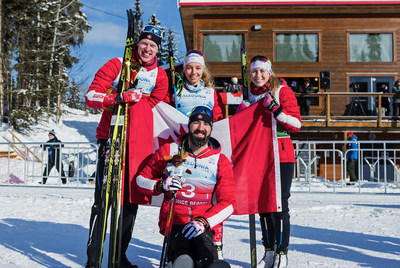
257	27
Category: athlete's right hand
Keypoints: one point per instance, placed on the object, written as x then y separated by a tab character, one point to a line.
171	183
133	95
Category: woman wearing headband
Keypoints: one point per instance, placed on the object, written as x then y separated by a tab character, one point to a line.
281	105
198	87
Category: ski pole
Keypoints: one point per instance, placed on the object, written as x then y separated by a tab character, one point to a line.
167	235
253	247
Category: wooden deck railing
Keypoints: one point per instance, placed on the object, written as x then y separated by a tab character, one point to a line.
327	117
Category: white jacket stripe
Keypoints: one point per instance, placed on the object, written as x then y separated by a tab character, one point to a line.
290	120
95	96
285	118
220	216
144	183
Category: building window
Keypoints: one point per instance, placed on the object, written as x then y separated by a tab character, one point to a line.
222	47
371	47
299	47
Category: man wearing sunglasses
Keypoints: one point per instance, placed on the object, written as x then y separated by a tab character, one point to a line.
148	86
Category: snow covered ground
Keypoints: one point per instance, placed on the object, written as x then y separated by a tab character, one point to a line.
48	227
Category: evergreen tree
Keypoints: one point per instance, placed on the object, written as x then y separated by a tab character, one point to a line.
212	49
138	19
234	54
307	52
169	45
39	35
298	53
374	46
163	52
285	51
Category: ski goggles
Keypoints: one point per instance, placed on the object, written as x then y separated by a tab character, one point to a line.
194	56
203	113
154	30
261	62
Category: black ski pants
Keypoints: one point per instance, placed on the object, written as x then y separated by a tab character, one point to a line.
92	243
49	167
129	210
201	248
275	226
351	169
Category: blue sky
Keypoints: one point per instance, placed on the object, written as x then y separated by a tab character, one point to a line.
109	25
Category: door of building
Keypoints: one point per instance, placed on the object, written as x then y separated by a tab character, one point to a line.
371	84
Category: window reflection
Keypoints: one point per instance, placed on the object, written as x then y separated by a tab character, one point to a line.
371	47
297	47
222	47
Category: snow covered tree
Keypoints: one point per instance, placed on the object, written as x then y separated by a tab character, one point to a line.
38	37
169	45
163	53
138	19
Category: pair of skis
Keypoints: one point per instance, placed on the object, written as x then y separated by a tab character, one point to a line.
114	170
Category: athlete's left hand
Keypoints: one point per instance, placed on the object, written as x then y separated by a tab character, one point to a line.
195	228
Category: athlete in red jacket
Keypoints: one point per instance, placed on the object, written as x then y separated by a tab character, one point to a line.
204	199
149	86
281	105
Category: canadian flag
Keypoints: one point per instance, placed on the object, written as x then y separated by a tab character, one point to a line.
231	98
248	139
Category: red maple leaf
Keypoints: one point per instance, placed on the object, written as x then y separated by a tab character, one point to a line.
170	139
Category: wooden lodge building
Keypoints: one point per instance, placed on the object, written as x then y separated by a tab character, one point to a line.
354	45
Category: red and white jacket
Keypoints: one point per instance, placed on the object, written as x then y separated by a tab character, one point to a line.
210	97
155	82
209	191
288	121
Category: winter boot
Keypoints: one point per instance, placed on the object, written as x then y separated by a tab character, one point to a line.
125	263
281	260
267	261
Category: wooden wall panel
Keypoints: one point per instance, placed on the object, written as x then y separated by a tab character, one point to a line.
333	29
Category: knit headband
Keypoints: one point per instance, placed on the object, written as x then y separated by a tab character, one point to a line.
194	57
261	64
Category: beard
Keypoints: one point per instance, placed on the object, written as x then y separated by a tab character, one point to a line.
196	141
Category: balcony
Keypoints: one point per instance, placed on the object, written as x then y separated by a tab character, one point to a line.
333	119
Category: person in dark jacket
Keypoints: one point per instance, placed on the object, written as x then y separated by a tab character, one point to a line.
385	100
396	98
54	157
305	102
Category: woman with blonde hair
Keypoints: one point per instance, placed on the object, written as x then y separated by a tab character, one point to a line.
197	88
281	105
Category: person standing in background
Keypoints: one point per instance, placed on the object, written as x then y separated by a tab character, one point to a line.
305	102
396	98
352	157
54	157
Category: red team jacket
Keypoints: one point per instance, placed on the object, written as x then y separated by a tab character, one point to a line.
107	77
208	192
290	120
